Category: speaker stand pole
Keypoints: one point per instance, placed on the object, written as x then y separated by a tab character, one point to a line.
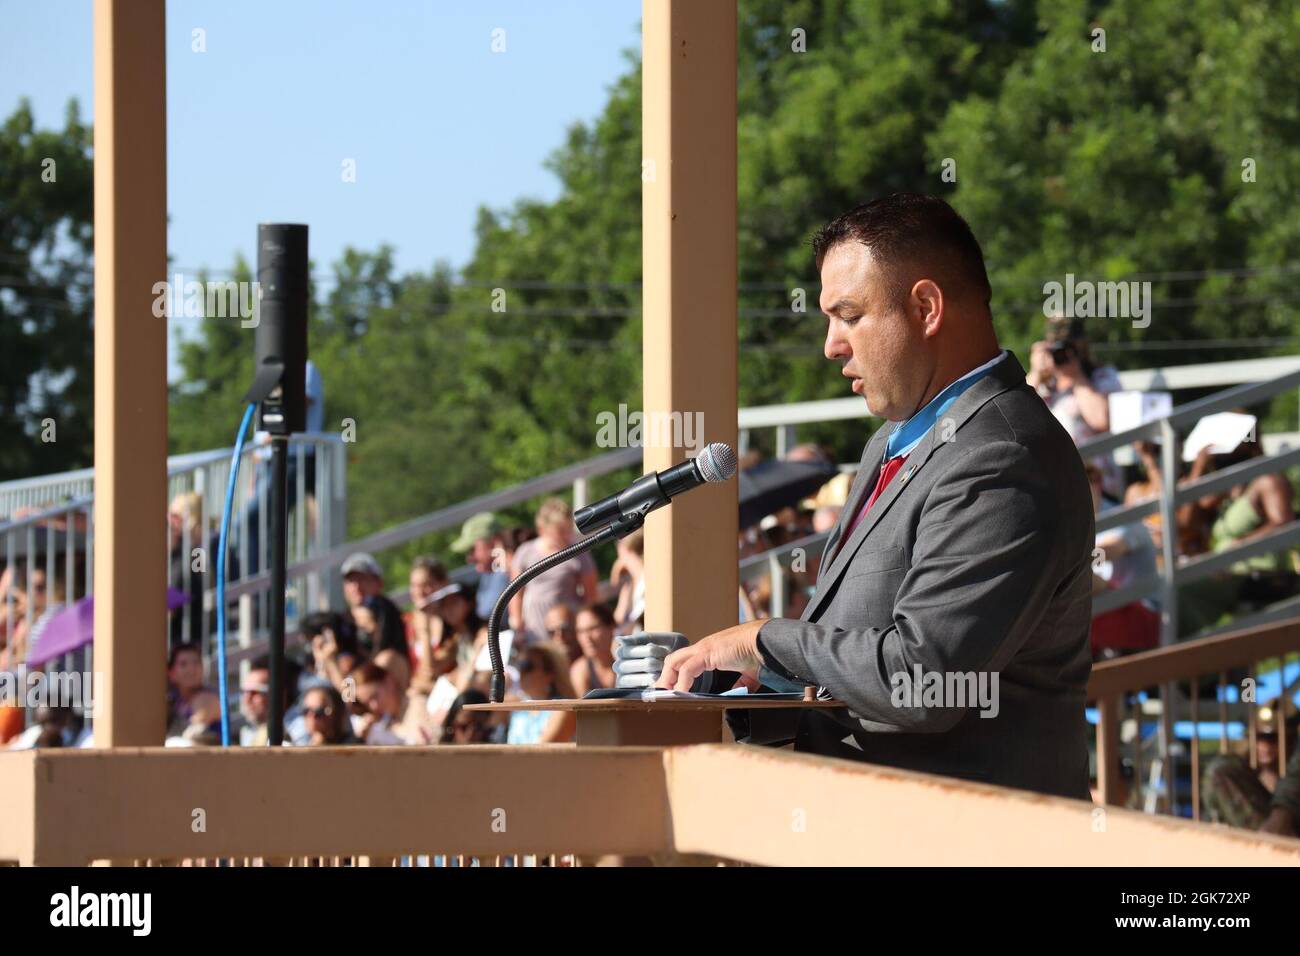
278	503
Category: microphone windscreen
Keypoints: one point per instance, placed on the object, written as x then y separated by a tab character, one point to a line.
717	462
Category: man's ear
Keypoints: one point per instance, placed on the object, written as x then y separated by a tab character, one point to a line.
927	302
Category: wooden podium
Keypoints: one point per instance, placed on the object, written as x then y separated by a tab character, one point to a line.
630	722
660	723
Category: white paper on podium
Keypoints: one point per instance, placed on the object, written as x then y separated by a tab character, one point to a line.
1221	433
659	693
505	639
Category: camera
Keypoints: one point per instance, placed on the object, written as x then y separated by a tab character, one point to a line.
1061	352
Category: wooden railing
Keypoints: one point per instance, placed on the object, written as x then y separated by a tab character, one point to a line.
697	804
1114	683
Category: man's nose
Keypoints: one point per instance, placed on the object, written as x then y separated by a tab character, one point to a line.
836	346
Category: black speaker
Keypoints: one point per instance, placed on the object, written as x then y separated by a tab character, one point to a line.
280	373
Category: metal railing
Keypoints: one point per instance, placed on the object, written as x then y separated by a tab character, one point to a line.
575	477
47	540
1176	569
1228	669
55	544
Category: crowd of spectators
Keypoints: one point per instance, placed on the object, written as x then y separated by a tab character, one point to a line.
371	673
1076	389
25	599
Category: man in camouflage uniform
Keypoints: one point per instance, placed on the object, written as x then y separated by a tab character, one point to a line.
1234	793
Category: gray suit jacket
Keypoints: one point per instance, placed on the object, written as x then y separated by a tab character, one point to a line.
973	565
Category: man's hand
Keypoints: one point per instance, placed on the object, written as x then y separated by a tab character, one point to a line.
735	649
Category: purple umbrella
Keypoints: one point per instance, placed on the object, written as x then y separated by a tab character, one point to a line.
74	627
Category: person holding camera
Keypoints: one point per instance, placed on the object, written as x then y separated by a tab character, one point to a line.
1062	372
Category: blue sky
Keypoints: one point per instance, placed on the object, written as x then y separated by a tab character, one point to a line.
259	125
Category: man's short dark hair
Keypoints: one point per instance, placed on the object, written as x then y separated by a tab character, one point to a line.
910	228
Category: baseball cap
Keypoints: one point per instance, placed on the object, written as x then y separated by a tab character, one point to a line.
441	593
482	525
362	563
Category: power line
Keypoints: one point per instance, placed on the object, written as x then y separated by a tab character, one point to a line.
322	277
1178	346
813	350
597	312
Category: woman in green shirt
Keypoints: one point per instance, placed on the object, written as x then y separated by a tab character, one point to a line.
1251	511
1246	512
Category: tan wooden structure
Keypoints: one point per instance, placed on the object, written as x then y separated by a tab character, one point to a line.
718	802
688	210
130	369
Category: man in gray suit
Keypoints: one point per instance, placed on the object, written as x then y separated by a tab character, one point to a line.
953	600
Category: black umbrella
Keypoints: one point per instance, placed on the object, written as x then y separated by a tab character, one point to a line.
774	484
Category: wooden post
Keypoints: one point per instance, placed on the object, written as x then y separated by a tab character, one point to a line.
689	301
130	371
1109	786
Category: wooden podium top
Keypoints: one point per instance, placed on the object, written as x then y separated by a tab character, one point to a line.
630	704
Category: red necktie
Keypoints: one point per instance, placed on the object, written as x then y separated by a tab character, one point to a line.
887	472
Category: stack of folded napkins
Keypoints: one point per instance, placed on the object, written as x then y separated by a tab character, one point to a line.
639	657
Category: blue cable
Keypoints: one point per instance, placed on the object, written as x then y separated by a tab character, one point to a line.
221	574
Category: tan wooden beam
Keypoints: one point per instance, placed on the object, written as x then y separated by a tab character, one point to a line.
688	210
785	809
751	804
130	371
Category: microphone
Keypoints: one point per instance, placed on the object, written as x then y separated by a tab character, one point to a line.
717	462
611	518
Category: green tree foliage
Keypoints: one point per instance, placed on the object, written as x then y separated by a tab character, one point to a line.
46	346
547	317
1135	161
216	369
822	130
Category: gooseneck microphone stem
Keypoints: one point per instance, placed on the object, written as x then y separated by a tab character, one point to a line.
619	528
278	504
